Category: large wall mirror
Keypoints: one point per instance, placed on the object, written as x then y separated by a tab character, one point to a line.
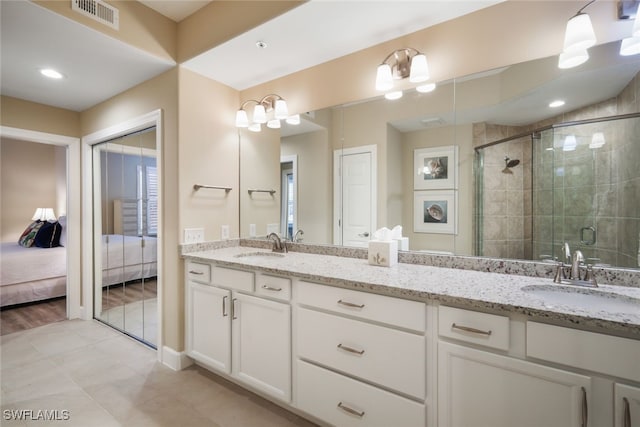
510	188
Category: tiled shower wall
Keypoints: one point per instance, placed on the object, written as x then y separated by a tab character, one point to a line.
524	213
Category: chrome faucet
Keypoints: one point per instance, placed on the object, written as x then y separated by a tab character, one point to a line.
570	272
278	245
295	236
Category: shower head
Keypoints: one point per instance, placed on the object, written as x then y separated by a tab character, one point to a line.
510	163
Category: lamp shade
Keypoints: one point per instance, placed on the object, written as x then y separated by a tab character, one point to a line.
597	140
281	110
572	58
630	46
255	127
293	120
273	124
419	69
393	95
44	214
259	114
579	34
242	121
429	87
570	143
384	79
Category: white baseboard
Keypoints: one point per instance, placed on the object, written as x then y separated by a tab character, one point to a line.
174	359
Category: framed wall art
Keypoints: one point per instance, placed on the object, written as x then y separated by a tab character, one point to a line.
436	168
435	212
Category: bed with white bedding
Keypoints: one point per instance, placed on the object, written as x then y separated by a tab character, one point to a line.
35	274
31	274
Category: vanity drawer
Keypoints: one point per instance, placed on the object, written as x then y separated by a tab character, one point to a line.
342	401
199	272
273	287
485	329
232	279
385	356
393	311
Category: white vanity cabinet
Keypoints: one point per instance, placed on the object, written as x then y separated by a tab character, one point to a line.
360	357
627	406
234	330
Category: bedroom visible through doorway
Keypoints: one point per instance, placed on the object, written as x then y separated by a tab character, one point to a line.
125	190
33	267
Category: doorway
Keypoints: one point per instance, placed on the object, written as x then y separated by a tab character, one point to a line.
125	183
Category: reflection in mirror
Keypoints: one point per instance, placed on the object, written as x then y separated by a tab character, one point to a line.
126	227
577	180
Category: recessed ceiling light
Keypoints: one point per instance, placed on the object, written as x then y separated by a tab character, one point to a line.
557	103
261	45
51	73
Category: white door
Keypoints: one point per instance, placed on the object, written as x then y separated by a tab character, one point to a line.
209	326
357	188
627	406
262	344
482	389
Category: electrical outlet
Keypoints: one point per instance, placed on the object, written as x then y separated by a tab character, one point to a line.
193	235
273	228
224	232
252	231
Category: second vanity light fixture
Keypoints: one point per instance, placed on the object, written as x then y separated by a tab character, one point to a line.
262	113
400	64
578	37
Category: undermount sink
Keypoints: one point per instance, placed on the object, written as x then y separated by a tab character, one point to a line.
260	255
554	295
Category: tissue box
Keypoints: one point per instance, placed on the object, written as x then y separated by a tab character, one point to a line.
383	253
403	243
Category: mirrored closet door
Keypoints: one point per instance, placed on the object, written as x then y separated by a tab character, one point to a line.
125	234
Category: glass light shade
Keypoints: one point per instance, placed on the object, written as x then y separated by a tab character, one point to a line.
255	127
572	58
429	87
242	121
384	79
630	46
273	124
419	69
259	114
282	112
293	120
579	34
597	140
396	94
570	143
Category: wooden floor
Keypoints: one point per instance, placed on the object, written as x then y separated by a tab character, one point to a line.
27	316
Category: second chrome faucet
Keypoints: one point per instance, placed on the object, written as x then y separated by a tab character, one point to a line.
571	271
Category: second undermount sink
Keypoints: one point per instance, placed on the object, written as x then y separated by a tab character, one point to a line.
260	254
555	295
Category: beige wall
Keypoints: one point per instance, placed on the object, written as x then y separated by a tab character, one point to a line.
29	180
22	114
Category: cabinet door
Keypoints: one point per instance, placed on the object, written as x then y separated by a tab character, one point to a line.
482	389
627	406
262	344
209	326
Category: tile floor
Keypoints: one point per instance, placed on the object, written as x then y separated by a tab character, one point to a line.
95	376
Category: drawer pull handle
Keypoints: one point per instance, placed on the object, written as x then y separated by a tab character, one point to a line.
233	308
350	304
269	288
224	306
350	410
469	329
350	349
199	273
626	416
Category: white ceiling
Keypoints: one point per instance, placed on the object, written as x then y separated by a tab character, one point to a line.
98	67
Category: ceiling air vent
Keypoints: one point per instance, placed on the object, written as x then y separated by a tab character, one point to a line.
98	10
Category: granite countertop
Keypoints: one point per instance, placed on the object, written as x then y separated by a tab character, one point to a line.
464	288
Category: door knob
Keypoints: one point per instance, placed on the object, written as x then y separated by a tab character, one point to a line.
365	234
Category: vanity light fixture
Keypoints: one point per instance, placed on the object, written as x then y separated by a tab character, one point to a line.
631	45
398	65
270	110
597	140
570	143
578	37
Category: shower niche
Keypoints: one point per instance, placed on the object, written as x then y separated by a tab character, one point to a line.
576	182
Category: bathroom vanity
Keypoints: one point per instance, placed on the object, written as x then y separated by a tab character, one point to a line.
346	343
